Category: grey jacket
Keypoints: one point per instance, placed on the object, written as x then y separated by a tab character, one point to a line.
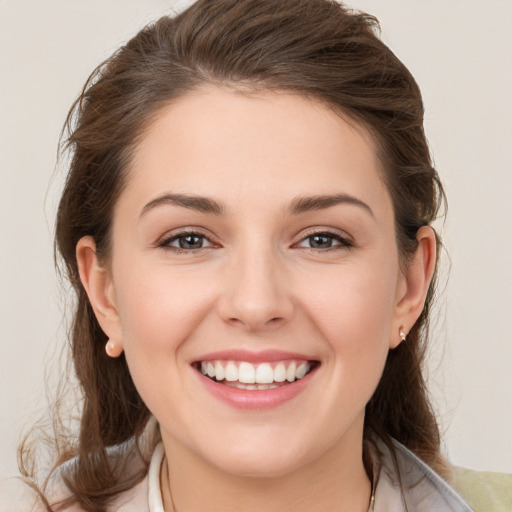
409	485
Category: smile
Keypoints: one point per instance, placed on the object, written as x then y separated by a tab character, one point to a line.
252	377
255	381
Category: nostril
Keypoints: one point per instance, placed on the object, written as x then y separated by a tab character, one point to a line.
255	324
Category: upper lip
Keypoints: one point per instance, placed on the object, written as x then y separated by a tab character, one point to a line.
264	356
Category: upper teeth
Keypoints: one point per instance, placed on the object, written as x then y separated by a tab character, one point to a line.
248	373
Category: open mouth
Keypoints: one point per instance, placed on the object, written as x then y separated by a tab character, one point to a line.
255	377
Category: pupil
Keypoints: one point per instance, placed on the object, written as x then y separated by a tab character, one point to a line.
191	242
320	241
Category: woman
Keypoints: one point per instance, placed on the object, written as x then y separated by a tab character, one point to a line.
246	224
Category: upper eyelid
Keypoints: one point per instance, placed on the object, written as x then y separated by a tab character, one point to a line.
173	235
326	231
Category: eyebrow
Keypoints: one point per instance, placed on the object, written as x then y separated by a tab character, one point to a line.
320	202
198	203
297	206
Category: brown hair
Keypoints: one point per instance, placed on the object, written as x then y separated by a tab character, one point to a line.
316	48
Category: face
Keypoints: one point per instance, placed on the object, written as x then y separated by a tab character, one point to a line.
255	242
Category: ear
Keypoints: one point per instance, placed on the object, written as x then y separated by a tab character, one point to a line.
414	284
98	284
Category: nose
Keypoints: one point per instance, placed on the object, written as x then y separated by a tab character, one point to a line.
256	293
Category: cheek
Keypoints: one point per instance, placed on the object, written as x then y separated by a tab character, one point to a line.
353	307
353	311
160	306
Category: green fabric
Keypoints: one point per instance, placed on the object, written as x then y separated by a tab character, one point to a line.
484	491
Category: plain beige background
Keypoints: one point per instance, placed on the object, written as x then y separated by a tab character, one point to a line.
460	51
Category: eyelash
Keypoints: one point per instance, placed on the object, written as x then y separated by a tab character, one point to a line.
166	244
344	243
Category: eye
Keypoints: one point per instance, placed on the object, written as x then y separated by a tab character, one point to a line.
324	241
187	241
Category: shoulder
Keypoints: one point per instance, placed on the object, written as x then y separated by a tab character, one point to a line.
477	491
407	483
134	499
18	495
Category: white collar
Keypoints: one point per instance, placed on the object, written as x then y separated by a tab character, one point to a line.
154	491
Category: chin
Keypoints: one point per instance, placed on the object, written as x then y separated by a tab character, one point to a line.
261	465
261	456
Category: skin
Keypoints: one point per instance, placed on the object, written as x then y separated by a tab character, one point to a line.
257	283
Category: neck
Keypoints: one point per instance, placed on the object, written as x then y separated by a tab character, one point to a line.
334	482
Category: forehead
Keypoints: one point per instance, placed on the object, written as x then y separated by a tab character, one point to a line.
222	143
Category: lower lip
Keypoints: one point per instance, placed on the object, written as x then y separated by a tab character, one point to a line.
256	399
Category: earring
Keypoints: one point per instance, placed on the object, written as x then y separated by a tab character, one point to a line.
112	349
402	333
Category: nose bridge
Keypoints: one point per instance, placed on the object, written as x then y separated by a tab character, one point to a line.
257	296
